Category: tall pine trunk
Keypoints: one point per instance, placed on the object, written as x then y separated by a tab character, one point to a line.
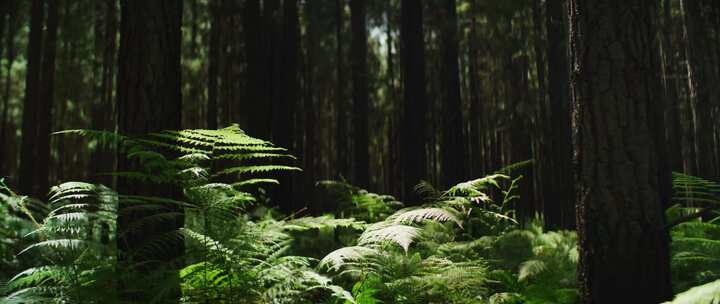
213	63
341	133
360	93
46	101
5	164
413	154
623	241
557	180
701	88
27	175
149	100
453	144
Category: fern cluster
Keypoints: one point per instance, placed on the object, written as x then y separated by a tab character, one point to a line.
463	245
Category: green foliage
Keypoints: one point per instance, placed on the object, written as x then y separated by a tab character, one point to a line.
464	245
705	294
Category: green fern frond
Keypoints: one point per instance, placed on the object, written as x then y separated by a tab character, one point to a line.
408	216
338	258
402	235
707	293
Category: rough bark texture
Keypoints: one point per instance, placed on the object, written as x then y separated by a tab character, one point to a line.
149	100
620	220
213	63
672	98
453	144
341	104
360	93
702	91
284	124
558	184
46	102
413	154
102	161
30	104
10	59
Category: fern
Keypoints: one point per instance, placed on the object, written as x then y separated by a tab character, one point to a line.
708	293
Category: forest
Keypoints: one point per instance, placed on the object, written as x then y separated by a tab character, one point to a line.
360	151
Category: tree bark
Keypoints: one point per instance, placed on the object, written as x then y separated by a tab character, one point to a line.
360	93
284	126
213	62
149	100
413	153
46	102
10	59
621	224
674	129
453	144
701	89
31	102
341	133
558	184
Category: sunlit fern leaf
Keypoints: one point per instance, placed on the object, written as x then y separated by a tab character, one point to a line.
256	169
255	181
38	275
531	268
322	282
322	222
64	244
402	235
103	138
708	293
409	216
475	187
211	245
336	259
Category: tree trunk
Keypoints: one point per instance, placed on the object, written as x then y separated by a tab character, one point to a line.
558	184
46	102
256	71
413	153
621	224
30	104
213	62
284	126
341	133
453	145
701	95
674	129
149	100
360	93
10	59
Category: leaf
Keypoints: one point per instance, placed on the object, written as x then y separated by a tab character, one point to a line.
339	257
708	293
403	235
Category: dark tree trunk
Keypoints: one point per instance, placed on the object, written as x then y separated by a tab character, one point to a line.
475	130
360	93
46	102
310	151
701	89
284	124
413	154
621	224
341	133
672	98
10	57
256	70
103	162
557	180
30	104
149	100
213	62
453	144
